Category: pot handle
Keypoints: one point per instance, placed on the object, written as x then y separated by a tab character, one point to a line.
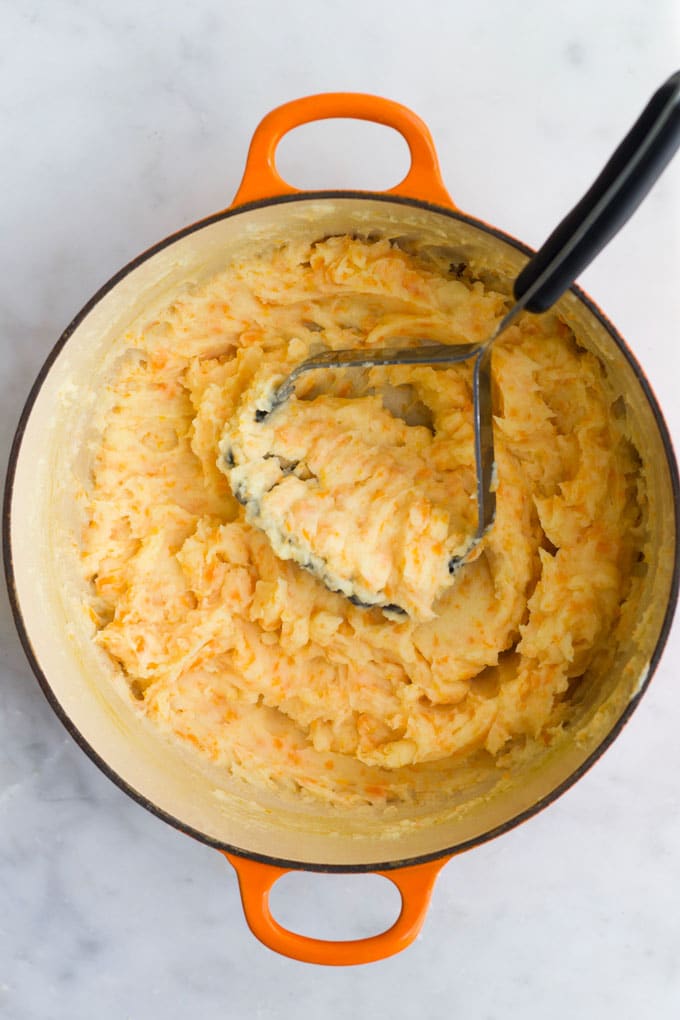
414	883
261	178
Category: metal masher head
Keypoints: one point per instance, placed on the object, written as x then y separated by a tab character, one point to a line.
432	355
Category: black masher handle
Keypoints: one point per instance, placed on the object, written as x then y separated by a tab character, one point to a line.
613	198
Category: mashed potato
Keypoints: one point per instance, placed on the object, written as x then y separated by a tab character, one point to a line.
249	657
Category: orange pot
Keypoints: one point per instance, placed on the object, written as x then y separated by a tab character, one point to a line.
261	838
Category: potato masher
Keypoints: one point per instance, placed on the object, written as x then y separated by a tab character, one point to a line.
589	226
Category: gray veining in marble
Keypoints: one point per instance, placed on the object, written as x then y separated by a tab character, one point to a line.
121	123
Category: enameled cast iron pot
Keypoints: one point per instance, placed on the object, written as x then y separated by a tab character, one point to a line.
261	838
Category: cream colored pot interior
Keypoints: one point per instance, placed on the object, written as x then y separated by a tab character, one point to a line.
53	463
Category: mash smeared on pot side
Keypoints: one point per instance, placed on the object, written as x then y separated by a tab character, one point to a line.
245	654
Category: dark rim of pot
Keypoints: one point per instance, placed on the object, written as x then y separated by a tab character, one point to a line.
389	865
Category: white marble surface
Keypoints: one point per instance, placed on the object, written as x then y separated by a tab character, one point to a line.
122	122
